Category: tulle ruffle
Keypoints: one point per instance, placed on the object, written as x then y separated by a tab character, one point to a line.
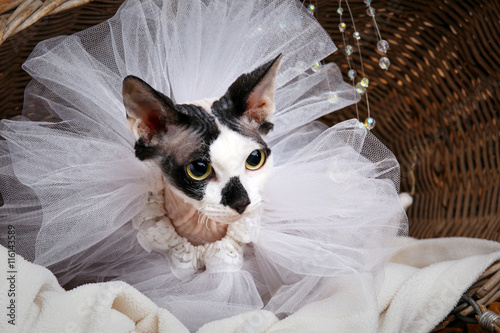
71	182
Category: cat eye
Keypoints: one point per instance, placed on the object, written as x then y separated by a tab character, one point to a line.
255	160
199	170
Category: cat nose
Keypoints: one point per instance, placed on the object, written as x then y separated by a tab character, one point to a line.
235	196
240	205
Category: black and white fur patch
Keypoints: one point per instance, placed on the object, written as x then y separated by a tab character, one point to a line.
222	132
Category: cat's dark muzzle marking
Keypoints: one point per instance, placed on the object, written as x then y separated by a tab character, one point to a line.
235	196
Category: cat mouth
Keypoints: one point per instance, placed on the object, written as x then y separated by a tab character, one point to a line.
221	218
226	216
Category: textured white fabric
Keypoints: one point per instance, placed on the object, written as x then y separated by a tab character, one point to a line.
423	282
428	277
42	306
158	233
72	184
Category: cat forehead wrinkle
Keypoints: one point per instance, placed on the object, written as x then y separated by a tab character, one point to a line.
200	121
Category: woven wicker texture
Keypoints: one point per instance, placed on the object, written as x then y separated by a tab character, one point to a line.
20	14
437	107
15	50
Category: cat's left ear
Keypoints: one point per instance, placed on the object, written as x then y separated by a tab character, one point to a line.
253	94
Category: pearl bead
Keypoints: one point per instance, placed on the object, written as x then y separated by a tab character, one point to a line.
349	49
333	98
351	74
301	66
360	89
383	46
384	63
316	67
370	123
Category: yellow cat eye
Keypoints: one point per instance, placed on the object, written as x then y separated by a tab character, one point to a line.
199	170
255	160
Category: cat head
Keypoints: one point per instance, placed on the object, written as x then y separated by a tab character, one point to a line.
211	151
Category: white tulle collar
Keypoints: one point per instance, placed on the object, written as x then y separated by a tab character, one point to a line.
157	233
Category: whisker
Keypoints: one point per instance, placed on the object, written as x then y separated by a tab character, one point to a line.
203	218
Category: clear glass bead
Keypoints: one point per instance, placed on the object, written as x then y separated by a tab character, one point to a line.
301	66
368	2
311	8
316	67
342	26
370	123
349	49
364	82
370	11
383	45
351	74
356	35
384	63
333	98
340	10
359	88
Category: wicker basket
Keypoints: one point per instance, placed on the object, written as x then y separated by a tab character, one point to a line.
437	108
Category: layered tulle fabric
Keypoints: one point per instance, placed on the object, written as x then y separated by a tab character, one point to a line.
72	185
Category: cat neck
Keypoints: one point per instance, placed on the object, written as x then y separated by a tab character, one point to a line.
189	223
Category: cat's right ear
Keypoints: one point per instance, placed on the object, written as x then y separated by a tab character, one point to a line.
149	111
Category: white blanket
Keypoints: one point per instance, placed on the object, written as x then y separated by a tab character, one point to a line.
422	284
